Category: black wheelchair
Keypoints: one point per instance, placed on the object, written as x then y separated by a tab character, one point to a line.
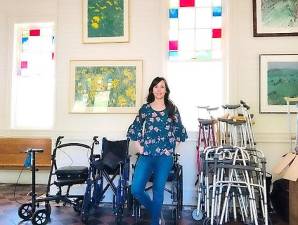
60	178
176	191
113	162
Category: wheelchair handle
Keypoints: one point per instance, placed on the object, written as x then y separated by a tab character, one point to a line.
58	141
95	139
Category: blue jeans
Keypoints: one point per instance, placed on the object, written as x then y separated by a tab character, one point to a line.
160	167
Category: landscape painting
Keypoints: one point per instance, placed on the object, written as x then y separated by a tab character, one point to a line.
278	79
105	86
275	17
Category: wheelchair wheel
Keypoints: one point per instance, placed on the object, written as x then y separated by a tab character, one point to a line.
207	221
129	199
84	217
40	217
175	215
78	204
25	211
180	190
119	215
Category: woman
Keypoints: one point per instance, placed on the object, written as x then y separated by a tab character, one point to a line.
157	130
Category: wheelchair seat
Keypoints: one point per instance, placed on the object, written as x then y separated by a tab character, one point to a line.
70	175
110	160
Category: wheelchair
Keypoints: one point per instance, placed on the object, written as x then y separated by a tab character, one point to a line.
113	162
176	191
60	178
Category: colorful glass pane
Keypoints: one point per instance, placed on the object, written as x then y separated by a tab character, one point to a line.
24	64
204	55
216	33
187	3
173	53
173	13
24	39
173	45
35	32
216	11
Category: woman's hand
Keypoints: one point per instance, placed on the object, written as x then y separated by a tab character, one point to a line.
139	147
177	143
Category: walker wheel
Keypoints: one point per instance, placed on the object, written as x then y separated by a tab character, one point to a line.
25	211
48	209
207	221
40	217
197	215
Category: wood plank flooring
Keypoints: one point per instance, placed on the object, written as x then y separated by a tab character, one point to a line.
65	215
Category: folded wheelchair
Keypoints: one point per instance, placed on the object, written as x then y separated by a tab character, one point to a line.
61	179
175	189
108	170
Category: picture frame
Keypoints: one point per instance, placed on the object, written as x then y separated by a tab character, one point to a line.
105	21
278	78
274	18
105	86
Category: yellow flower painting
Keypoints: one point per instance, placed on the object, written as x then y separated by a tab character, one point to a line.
105	86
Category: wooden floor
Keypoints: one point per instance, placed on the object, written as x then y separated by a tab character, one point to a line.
65	215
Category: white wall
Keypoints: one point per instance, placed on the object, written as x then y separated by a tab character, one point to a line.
148	22
244	49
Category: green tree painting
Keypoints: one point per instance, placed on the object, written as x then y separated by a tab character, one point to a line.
282	81
280	13
105	18
105	86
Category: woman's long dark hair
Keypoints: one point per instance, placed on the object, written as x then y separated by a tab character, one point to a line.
169	104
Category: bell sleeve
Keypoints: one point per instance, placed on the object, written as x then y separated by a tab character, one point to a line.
179	130
135	130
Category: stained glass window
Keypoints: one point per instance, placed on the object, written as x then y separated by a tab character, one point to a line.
33	76
195	29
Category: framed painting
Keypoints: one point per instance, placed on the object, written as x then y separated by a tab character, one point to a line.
105	21
105	86
275	18
278	79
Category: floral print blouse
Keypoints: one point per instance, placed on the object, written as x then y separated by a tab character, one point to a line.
156	132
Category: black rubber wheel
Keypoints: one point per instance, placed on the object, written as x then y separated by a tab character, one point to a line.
129	199
84	217
175	215
77	207
25	211
40	217
207	221
119	216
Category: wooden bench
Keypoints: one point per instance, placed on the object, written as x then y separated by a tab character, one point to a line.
12	152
